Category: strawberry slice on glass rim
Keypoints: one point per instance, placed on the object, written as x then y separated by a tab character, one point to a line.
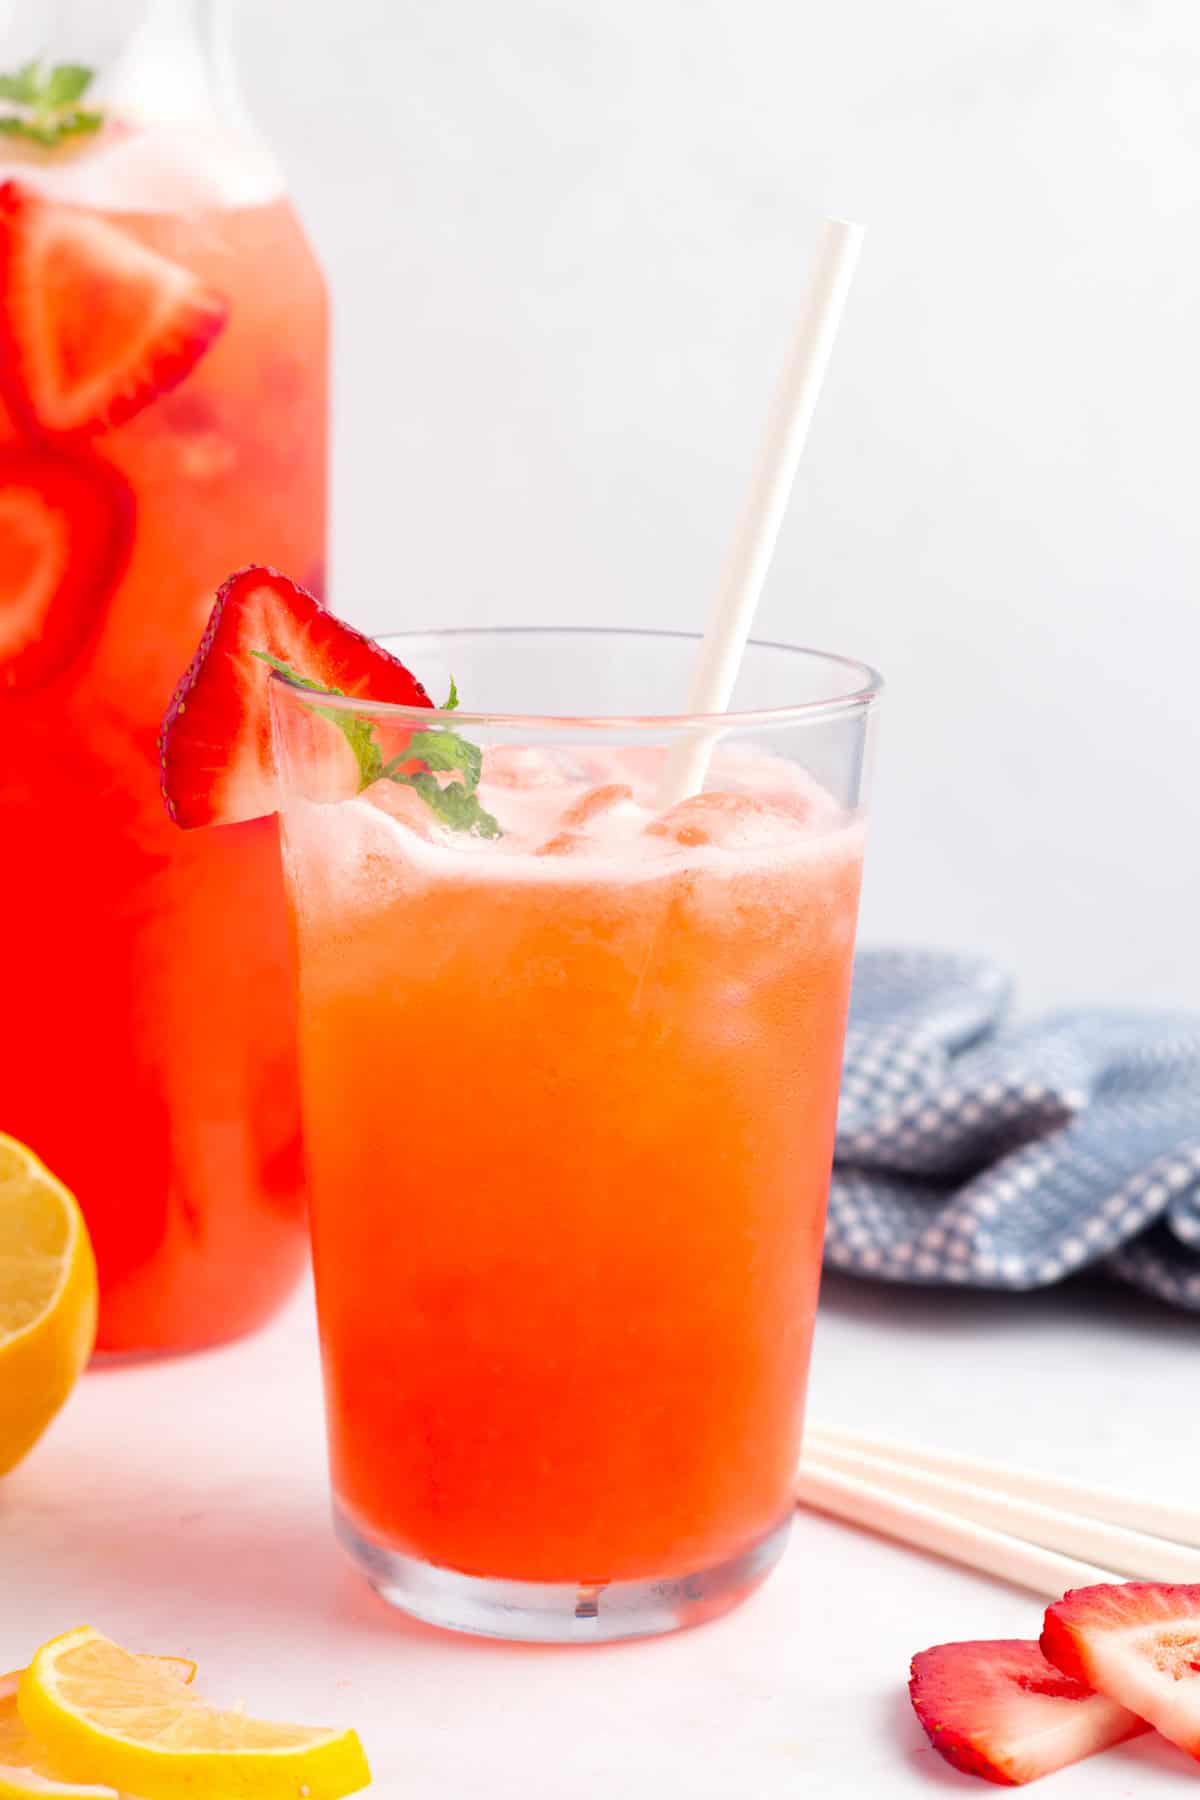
93	324
216	752
66	527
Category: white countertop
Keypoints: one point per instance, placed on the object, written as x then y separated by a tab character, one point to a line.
180	1507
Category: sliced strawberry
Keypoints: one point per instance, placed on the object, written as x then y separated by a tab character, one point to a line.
998	1709
1138	1642
92	324
66	524
217	760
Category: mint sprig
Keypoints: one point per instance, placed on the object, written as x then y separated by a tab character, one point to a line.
45	99
426	755
442	751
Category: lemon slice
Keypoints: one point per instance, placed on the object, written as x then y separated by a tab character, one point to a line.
47	1298
26	1771
106	1715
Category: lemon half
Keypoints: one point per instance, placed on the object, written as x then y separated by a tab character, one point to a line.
48	1298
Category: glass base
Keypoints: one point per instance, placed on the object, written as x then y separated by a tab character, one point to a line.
552	1612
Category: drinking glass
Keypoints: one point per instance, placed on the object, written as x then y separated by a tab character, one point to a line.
569	1076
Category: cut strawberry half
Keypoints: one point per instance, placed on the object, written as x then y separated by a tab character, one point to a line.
66	524
1138	1642
998	1709
92	324
218	764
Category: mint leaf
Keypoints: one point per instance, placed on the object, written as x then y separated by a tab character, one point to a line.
72	124
24	85
360	737
450	704
48	114
357	731
441	752
30	130
456	805
65	83
283	668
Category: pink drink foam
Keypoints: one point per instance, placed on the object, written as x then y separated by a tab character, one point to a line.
765	856
590	815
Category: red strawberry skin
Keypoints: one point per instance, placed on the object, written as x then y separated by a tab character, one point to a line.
1139	1642
93	325
66	527
996	1708
216	752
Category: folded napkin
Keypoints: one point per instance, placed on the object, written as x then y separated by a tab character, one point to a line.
976	1152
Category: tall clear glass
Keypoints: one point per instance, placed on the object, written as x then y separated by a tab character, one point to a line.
569	1093
162	421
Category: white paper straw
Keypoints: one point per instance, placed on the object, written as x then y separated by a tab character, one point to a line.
1132	1552
1044	1572
762	512
1158	1518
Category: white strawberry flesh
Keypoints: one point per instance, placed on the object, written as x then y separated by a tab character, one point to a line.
998	1709
1139	1643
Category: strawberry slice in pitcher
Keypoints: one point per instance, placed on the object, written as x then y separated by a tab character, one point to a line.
92	324
66	524
216	753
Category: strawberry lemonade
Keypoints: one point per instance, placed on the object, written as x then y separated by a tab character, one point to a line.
569	1065
162	418
601	1276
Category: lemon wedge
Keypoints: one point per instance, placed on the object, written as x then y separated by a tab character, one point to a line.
104	1714
47	1298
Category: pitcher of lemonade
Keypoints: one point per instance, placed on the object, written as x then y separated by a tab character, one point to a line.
162	421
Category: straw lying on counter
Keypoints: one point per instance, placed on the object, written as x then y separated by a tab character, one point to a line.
1036	1531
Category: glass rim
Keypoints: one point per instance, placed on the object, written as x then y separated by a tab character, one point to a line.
867	686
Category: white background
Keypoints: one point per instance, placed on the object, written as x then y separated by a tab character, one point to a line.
566	240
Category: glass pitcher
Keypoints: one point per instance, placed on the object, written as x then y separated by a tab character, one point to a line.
163	362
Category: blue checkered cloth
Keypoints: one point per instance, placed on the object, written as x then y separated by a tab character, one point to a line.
976	1152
